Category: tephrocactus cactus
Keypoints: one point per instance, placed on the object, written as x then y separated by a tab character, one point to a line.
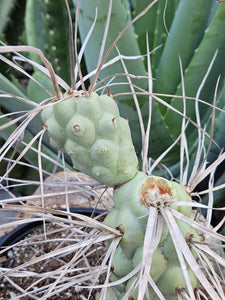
132	201
91	131
155	249
98	140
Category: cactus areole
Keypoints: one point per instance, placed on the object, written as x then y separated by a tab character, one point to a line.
158	192
90	129
155	192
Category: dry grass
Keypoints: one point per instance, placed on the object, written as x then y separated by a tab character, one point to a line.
82	235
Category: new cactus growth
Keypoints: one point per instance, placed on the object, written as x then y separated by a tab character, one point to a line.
132	201
91	131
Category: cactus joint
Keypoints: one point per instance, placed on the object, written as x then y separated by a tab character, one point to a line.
155	192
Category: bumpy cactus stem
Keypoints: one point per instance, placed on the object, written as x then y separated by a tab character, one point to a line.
132	201
91	131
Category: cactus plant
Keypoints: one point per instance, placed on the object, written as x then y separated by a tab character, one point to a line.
181	29
133	196
158	248
90	130
132	201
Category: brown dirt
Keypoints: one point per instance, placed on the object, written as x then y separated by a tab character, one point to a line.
37	246
63	182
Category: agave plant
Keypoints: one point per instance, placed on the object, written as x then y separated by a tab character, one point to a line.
159	245
173	38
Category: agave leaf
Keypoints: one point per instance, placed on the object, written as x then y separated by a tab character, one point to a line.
34	26
219	125
156	23
31	156
56	24
146	24
213	10
36	92
165	15
185	34
5	8
12	104
213	40
120	18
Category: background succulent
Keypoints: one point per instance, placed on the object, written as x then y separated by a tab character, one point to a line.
176	51
179	42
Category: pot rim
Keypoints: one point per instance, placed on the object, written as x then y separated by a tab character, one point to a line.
21	231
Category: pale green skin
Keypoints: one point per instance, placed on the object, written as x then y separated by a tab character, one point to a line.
131	215
91	131
98	140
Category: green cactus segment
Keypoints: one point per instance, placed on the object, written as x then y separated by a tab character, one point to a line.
91	131
121	264
172	281
132	201
158	265
111	294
